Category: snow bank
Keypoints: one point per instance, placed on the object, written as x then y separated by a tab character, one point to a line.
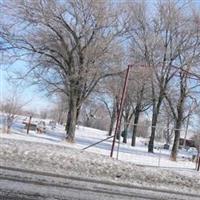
70	161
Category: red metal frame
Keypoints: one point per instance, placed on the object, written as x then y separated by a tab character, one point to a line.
119	117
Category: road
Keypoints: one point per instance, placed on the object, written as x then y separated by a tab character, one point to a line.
19	184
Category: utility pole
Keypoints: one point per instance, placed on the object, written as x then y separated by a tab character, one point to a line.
119	117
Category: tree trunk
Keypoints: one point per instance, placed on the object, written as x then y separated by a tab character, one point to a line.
137	115
176	140
118	135
125	133
178	125
179	119
78	113
153	128
71	120
112	121
153	132
167	133
127	120
156	110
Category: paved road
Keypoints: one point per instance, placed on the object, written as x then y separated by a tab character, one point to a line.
18	184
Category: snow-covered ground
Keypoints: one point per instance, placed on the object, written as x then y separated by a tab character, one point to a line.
51	153
86	136
70	161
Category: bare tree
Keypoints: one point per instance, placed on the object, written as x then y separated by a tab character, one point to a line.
11	107
143	128
178	107
150	43
94	114
166	119
138	99
69	45
141	88
188	60
59	111
89	110
110	96
159	39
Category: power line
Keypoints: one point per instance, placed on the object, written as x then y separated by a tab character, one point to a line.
195	76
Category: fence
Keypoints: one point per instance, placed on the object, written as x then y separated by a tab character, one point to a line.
186	158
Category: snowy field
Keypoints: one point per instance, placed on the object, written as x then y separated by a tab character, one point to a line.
87	136
50	152
73	162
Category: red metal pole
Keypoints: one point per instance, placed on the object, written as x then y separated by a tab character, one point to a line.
119	117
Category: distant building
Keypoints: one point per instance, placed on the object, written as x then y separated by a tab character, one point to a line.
188	142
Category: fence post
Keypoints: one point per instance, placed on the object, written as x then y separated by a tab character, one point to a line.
28	126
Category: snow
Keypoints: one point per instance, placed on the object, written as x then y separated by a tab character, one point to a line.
50	152
86	136
60	159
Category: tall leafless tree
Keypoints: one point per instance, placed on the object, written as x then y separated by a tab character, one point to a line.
138	99
70	45
178	105
110	95
158	39
166	121
11	107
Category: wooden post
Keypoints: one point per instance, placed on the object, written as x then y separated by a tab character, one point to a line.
28	125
